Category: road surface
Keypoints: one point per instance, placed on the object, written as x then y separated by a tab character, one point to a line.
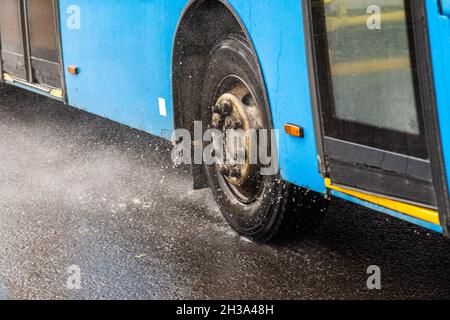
80	191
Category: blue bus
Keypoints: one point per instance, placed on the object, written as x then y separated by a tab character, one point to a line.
357	92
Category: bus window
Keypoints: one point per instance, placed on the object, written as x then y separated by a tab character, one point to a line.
43	47
29	41
370	99
12	44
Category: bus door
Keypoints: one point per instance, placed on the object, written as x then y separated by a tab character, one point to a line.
370	97
30	41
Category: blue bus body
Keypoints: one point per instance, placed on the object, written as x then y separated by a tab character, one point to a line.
125	58
124	54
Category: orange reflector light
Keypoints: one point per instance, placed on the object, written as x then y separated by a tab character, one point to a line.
294	130
73	70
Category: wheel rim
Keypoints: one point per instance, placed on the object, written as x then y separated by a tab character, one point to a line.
237	116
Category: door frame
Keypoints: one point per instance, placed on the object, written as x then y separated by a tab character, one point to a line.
427	99
58	36
27	53
1	60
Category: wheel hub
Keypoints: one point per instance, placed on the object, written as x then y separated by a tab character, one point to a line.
235	114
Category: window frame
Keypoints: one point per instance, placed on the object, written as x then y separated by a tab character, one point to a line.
355	173
364	134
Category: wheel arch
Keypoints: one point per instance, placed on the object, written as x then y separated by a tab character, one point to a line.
203	24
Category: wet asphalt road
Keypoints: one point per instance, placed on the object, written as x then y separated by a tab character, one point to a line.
76	189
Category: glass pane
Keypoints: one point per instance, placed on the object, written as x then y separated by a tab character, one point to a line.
10	26
11	37
42	30
43	45
371	71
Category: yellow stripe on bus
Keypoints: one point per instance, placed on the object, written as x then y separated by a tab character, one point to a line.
7	77
56	93
418	212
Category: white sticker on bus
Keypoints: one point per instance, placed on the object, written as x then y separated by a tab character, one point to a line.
162	107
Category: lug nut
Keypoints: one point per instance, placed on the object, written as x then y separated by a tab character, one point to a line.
216	109
235	172
237	125
214	125
216	120
225	171
179	140
229	123
226	108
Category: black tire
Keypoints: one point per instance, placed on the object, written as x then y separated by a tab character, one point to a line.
276	202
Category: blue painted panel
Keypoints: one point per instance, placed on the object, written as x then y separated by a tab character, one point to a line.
123	50
439	26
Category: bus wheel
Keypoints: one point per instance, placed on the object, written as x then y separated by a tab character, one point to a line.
256	205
